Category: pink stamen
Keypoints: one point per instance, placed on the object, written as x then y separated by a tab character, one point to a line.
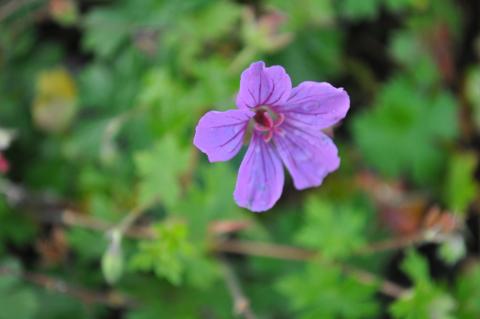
279	120
262	118
265	124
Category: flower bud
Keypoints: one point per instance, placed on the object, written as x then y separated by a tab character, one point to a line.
112	260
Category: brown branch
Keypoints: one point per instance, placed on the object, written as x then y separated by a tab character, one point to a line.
241	304
111	299
395	243
73	218
387	287
263	250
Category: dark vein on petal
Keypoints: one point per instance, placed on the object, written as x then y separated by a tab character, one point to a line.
251	95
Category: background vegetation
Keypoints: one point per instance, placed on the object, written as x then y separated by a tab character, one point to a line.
108	211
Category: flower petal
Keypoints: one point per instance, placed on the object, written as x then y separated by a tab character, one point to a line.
260	178
220	134
309	155
263	86
316	104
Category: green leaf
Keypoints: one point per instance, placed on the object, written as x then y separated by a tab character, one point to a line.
354	9
106	30
472	93
467	292
16	300
461	187
210	199
404	132
14	228
166	255
425	299
159	169
453	249
334	229
304	13
322	291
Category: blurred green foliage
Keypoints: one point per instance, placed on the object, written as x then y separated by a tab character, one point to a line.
426	299
103	98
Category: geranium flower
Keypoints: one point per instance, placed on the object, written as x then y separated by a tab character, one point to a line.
285	126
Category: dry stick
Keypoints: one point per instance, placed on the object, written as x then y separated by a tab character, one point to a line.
75	219
394	243
387	287
71	218
111	299
241	304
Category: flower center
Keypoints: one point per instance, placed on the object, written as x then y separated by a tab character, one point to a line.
267	122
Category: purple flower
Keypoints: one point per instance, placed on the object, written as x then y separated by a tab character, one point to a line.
285	125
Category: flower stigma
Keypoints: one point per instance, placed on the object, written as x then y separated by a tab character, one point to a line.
267	121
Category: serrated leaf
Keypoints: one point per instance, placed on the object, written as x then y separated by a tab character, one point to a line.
159	170
324	292
210	199
334	229
425	299
405	130
166	255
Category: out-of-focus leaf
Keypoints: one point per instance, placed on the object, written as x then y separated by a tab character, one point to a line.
425	300
411	51
324	292
472	93
306	12
210	200
461	187
334	229
467	292
405	131
106	30
14	227
320	52
354	9
453	249
96	86
88	245
159	169
65	12
55	100
263	34
16	300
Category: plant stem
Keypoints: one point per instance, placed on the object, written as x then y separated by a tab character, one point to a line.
241	304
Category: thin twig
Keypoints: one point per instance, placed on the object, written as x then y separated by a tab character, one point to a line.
263	250
112	299
71	218
393	243
241	304
75	219
387	287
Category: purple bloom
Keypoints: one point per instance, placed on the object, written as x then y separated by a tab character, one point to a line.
285	126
